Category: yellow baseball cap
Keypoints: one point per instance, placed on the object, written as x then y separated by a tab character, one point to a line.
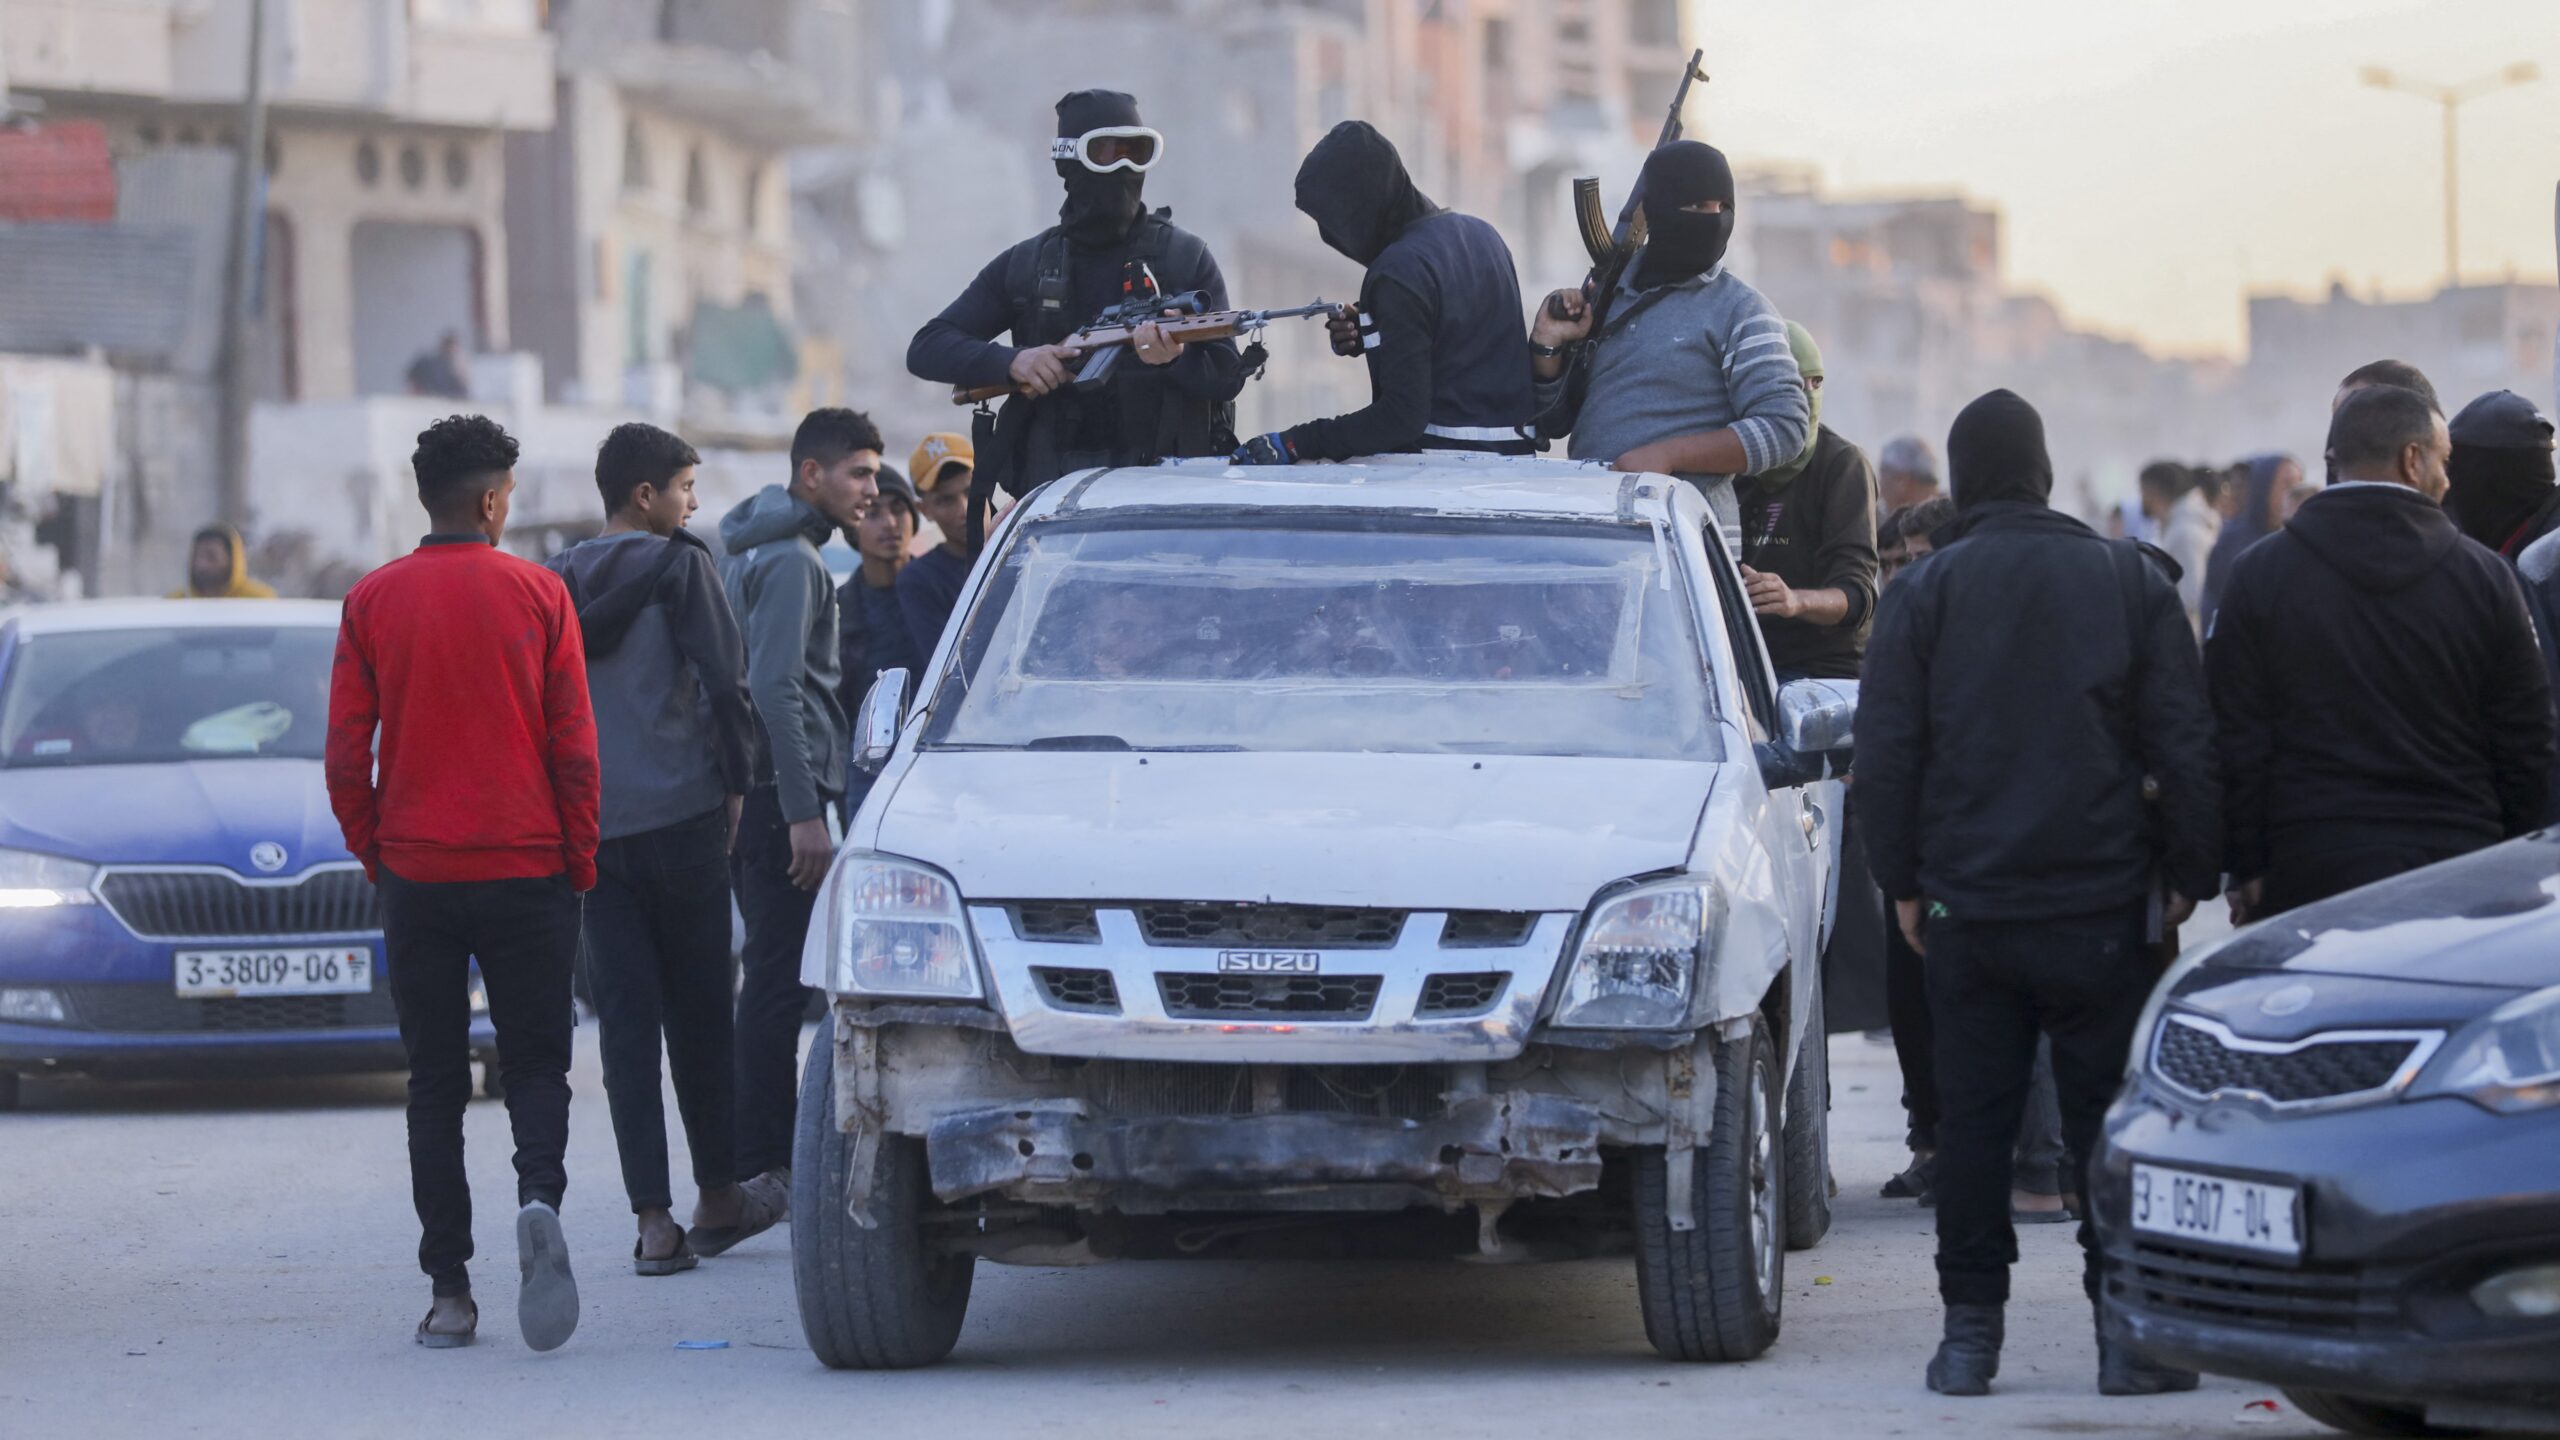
944	448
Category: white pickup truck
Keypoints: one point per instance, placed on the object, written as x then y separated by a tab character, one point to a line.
1407	857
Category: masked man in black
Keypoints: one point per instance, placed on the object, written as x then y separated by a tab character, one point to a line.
1438	319
1106	248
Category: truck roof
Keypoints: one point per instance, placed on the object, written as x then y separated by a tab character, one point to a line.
82	616
1441	483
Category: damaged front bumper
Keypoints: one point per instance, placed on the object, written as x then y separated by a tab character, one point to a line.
1480	1149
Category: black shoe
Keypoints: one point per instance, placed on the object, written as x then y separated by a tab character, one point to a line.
1970	1355
2122	1371
1916	1181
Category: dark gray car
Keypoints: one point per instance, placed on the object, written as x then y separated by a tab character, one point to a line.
2336	1165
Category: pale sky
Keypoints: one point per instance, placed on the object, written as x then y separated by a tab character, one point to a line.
2158	159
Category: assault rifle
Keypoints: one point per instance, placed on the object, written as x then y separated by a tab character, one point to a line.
1183	317
1612	249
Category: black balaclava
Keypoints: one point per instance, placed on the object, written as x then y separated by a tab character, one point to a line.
2501	470
1679	242
1995	451
1100	208
1354	186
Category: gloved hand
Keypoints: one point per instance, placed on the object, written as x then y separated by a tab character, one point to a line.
1342	326
1271	449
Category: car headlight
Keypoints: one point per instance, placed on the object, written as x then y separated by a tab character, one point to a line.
29	881
899	931
2506	1061
1644	958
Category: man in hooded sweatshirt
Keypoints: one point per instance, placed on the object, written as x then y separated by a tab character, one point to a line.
1809	543
786	604
2257	513
675	731
2027	684
1438	318
1107	247
1690	372
218	569
2381	697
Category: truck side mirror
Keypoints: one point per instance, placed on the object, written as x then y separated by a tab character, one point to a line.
1817	717
875	730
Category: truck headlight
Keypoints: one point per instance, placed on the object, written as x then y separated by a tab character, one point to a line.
1644	958
899	931
30	881
2507	1061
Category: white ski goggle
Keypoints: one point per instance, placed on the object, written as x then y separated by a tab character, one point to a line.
1113	147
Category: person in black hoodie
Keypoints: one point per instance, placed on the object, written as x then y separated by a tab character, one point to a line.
2025	687
1439	318
2500	486
675	733
1106	248
2381	697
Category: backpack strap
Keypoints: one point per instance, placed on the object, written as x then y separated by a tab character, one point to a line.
1035	280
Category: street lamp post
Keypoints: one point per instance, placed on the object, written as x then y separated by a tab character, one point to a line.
2451	98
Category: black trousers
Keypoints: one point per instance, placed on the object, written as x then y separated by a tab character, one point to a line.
1993	986
771	999
525	935
657	959
1915	1039
2296	878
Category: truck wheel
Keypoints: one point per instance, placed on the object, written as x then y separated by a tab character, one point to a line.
1809	1136
873	1299
2364	1417
1713	1292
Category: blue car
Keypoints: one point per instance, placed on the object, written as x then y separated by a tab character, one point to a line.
175	898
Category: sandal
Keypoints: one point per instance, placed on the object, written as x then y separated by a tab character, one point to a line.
760	1208
448	1339
684	1259
1915	1182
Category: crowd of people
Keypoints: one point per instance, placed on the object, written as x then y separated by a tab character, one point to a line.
2264	687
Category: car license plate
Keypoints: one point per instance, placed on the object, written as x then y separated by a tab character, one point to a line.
227	974
2218	1210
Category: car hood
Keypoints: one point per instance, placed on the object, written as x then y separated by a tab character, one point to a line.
1424	832
2490	918
191	812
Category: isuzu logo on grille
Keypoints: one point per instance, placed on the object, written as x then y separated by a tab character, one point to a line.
1269	962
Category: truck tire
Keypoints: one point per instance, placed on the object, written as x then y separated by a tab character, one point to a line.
2364	1417
875	1299
1809	1135
1714	1292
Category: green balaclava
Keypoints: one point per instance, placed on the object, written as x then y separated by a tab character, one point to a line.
1808	364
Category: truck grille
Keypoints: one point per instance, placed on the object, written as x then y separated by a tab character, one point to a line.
153	1009
1329	927
2325	1299
1091	991
1448	995
1056	922
198	904
1151	1089
1222	997
2201	1062
1488	929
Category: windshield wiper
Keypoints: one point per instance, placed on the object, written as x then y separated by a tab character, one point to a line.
1114	742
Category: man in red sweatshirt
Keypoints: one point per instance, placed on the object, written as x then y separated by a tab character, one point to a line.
478	824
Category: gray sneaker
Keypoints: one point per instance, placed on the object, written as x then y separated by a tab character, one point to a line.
547	1297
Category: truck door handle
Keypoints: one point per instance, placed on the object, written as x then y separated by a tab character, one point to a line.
1812	820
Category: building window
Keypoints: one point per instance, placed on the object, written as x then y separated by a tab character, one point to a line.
635	157
369	164
457	166
755	195
1654	22
413	166
697	186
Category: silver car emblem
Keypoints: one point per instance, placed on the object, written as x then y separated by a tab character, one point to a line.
2291	1000
1269	962
268	856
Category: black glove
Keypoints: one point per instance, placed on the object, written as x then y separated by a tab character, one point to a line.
1271	449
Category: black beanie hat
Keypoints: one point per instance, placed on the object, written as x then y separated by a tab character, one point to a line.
1995	451
1085	110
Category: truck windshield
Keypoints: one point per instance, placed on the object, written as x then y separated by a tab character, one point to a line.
1109	632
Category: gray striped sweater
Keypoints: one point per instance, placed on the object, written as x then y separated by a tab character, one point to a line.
1710	352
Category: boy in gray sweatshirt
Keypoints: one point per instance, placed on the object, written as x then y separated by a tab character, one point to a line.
1689	373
